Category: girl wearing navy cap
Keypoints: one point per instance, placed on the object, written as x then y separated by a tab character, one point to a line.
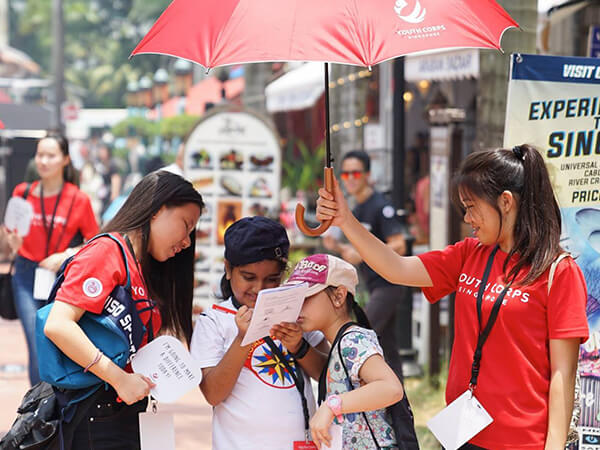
256	399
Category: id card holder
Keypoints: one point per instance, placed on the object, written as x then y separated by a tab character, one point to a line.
305	445
335	431
157	431
458	422
42	283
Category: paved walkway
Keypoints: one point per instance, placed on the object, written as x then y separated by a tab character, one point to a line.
192	413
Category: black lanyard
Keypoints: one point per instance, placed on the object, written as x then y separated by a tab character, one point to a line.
49	229
295	373
483	334
297	376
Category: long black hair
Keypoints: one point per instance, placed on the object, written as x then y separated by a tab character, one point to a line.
520	170
70	175
170	283
352	307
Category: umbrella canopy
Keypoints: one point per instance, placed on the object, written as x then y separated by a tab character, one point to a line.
360	32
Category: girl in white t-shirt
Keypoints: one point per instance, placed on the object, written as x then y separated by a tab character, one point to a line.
357	384
257	404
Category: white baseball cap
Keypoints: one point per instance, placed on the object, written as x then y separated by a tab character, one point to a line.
321	271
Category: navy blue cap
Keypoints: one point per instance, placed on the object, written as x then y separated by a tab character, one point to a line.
253	239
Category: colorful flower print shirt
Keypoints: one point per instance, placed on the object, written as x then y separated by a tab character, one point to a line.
357	345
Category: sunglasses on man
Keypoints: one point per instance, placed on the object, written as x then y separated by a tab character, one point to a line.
354	174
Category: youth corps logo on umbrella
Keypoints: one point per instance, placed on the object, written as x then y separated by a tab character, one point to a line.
263	363
416	16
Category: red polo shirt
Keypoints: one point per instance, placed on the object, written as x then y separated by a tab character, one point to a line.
514	377
81	219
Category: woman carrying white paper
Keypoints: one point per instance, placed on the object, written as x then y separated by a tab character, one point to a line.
524	370
62	220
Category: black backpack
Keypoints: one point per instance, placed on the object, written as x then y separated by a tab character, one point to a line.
47	416
401	413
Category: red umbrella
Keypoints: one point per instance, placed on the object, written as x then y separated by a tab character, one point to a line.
360	32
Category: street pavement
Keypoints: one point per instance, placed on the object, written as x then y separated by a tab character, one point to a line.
192	414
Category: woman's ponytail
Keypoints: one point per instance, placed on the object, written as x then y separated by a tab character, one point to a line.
538	224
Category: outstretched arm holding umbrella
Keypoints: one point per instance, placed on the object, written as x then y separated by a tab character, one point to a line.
500	277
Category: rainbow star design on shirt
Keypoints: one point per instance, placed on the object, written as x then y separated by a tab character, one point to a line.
270	365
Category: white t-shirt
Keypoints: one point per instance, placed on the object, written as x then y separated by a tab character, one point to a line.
264	410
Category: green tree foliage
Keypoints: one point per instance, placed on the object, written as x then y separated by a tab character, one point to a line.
302	169
167	128
136	126
99	36
177	126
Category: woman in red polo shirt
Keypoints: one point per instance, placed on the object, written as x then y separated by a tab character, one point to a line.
156	227
523	373
62	219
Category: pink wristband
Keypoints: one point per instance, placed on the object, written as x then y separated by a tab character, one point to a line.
96	359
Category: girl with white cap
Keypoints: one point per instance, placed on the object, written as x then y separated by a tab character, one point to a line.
356	380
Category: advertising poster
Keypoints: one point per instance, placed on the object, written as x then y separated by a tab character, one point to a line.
554	104
233	159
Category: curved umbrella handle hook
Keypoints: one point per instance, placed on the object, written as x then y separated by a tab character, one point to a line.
328	176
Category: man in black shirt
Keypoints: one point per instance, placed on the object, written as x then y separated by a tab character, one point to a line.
376	214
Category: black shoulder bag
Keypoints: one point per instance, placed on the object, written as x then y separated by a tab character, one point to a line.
400	412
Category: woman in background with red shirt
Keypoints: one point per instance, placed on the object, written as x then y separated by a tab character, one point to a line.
62	219
528	363
156	226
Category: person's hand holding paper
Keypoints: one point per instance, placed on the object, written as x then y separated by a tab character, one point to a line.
170	366
274	306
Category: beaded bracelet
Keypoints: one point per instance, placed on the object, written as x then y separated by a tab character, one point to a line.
95	361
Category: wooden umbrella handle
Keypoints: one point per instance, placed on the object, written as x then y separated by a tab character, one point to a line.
328	176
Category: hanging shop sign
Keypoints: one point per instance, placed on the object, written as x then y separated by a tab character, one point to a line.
442	65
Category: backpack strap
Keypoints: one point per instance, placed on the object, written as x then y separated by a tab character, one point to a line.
339	347
61	272
123	254
553	267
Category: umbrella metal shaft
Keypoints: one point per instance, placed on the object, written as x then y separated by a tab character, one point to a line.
327	129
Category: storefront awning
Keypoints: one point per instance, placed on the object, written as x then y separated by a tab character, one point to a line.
298	89
442	65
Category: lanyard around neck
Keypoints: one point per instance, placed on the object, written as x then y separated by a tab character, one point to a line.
484	334
49	228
